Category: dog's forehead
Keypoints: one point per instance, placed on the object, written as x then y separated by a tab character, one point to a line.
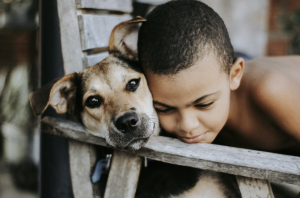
110	71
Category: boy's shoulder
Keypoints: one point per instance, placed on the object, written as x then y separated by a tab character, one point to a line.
273	84
272	76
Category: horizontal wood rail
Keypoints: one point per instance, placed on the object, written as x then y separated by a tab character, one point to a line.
243	162
113	5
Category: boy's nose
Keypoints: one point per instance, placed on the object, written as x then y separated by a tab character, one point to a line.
187	124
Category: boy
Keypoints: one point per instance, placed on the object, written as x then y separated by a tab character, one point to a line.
201	97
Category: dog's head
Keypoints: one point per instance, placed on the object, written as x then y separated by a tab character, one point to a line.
111	98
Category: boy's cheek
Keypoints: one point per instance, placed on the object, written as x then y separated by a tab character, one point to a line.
167	123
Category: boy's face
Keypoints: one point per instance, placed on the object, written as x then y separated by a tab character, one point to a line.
194	103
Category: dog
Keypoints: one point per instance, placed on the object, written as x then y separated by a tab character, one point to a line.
113	101
111	98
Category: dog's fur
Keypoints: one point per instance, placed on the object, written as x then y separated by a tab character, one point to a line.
102	97
107	81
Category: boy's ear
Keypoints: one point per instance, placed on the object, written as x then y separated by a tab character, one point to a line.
59	94
124	37
236	73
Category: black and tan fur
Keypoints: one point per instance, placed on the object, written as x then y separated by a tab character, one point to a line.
107	82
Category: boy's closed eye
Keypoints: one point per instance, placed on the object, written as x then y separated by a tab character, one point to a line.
162	108
165	109
202	103
205	105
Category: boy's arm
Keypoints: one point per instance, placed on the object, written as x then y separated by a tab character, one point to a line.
279	97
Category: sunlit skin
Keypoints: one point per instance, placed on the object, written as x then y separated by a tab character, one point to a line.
193	104
200	102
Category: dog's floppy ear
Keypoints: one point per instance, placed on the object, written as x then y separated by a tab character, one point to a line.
59	94
123	39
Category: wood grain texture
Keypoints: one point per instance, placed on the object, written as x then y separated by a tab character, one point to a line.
244	162
95	30
123	175
70	37
82	158
114	5
81	155
254	188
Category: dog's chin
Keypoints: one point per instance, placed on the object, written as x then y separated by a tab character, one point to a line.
134	144
137	144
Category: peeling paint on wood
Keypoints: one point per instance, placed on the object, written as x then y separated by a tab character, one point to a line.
253	188
123	175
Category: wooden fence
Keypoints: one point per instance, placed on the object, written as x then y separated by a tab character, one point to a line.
85	27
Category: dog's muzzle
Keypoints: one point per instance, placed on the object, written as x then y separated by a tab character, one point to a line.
131	130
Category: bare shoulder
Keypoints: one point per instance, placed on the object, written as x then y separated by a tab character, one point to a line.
272	78
273	84
270	87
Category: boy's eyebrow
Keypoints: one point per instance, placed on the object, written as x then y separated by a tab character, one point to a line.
195	102
162	104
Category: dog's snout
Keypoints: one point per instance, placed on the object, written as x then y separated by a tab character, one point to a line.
127	122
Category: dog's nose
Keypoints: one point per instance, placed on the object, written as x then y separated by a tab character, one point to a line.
127	122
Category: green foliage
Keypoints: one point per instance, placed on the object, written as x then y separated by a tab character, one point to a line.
291	25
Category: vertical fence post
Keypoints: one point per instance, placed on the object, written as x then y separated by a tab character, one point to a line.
54	169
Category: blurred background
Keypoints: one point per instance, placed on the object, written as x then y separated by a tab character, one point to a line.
256	27
19	135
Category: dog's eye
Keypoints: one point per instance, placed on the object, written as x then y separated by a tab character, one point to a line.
133	84
93	101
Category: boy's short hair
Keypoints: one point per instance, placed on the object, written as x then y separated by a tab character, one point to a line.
179	33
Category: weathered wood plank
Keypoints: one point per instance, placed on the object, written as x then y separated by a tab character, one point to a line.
253	188
80	154
69	34
95	58
123	175
244	162
95	30
82	158
114	5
